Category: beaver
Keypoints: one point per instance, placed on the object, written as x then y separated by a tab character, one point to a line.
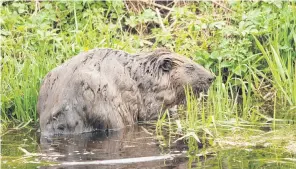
109	89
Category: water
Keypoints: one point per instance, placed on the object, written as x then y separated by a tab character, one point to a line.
132	147
135	147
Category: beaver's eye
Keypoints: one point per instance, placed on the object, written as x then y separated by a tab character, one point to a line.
166	65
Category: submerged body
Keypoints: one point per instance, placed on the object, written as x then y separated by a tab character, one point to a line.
108	89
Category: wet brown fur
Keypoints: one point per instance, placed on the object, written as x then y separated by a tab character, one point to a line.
108	89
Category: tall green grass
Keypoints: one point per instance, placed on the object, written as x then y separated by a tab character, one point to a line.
282	69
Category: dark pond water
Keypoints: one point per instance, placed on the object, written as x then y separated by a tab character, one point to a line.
132	147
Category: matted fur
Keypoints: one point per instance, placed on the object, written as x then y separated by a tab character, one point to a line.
108	89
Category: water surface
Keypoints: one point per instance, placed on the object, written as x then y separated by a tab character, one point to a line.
131	147
139	147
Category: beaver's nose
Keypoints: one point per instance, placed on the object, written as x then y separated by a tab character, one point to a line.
211	79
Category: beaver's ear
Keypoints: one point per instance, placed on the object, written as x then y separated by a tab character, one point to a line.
166	64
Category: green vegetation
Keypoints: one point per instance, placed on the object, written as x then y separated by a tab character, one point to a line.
250	46
255	68
252	51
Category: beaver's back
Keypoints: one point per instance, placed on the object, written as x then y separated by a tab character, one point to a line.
90	91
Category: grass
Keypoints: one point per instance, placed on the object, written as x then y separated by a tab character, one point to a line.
282	69
260	95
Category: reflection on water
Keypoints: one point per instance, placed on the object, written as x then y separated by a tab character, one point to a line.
135	147
126	148
131	147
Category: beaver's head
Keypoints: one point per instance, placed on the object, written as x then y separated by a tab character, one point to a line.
162	77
